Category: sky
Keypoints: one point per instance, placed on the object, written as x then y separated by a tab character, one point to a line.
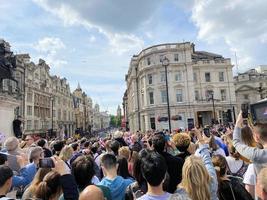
92	41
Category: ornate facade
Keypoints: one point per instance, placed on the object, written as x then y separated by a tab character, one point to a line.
196	80
251	86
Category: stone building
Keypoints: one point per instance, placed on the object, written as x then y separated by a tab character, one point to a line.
200	86
251	86
44	93
10	93
83	110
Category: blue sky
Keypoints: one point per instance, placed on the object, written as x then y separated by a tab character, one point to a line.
92	41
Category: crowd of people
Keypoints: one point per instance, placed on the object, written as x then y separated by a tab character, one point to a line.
219	164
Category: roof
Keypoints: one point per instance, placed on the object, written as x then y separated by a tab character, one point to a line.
204	55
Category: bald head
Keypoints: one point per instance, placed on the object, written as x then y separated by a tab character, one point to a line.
91	192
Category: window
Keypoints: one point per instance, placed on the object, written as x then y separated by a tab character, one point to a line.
161	58
59	114
36	111
163	96
176	57
36	124
54	113
152	123
151	97
207	77
162	77
195	76
196	95
64	115
246	96
223	94
150	79
178	76
148	61
209	94
29	124
221	76
29	110
179	95
29	97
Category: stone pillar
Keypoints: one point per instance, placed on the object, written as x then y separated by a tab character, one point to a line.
7	115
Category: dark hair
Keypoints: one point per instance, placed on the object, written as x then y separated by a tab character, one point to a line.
74	146
41	142
123	167
108	161
153	168
58	146
3	158
158	142
49	186
83	171
5	174
86	144
137	173
114	146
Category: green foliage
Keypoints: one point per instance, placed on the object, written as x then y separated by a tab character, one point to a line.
115	121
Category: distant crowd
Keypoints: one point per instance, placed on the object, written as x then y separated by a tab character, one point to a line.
210	163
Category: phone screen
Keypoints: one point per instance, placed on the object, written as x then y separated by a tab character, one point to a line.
206	132
244	108
46	163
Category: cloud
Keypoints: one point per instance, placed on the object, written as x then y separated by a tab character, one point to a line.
49	48
240	24
114	19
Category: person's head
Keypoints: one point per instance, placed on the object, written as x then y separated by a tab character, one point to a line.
154	168
95	147
260	133
114	146
83	171
50	187
233	152
41	143
3	159
11	144
58	146
5	178
137	173
91	192
66	153
181	141
107	146
213	145
261	188
195	178
123	167
29	140
247	136
158	142
134	138
108	163
75	146
220	164
118	134
125	152
36	153
38	178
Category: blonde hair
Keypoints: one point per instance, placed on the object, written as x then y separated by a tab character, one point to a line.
196	179
181	140
66	153
125	152
262	179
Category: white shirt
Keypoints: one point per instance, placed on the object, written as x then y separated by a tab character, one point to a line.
250	176
219	151
234	164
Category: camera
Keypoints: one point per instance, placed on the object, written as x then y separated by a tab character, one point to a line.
244	108
259	112
46	163
206	132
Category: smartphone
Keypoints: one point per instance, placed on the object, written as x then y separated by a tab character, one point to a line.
206	132
46	163
244	108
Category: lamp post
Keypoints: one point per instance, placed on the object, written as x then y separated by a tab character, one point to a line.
165	62
52	124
